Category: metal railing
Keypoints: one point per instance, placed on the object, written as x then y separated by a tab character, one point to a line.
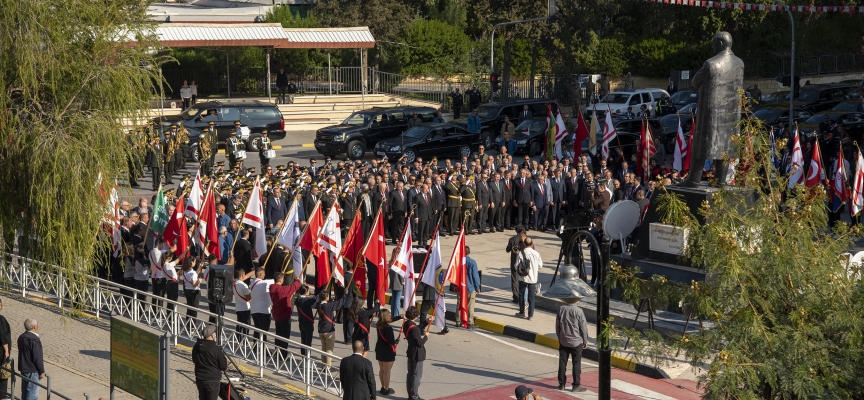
769	68
98	296
47	386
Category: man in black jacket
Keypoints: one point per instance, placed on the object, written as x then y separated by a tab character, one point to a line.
243	252
30	362
327	318
523	197
423	215
416	350
355	372
210	362
398	211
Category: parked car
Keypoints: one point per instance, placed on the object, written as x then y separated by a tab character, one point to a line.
362	130
848	106
817	98
670	128
683	98
430	140
773	114
492	115
254	117
775	97
629	131
635	98
852	121
531	136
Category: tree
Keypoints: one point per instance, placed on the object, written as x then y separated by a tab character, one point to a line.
786	309
434	47
601	56
71	72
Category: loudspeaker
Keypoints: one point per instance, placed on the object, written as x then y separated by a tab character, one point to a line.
220	280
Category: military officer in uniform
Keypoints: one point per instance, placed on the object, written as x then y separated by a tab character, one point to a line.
264	144
328	198
454	205
469	203
169	146
156	160
233	145
214	142
176	156
204	151
183	141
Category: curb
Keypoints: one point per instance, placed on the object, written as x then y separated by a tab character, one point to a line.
552	343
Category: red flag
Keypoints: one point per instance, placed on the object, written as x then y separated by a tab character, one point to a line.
816	173
352	250
309	240
208	232
685	165
646	151
581	134
176	229
376	253
458	275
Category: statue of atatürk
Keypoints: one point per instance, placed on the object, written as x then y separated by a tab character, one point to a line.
718	112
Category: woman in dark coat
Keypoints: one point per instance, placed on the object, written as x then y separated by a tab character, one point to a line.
362	319
385	350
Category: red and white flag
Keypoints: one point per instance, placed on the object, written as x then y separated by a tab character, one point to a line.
609	134
646	151
858	187
457	274
330	240
196	197
796	164
352	249
404	266
376	252
681	148
816	173
254	217
207	235
176	232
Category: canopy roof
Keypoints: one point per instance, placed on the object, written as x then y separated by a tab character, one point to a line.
263	35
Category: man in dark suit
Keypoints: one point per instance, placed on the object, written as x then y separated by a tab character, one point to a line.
496	203
672	88
523	197
313	168
525	113
542	200
416	350
557	185
243	252
277	210
483	200
423	216
623	171
348	206
571	192
356	374
506	214
311	199
439	201
275	262
398	211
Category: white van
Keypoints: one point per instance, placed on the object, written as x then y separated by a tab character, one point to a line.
635	98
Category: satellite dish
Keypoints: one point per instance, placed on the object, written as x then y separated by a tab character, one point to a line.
856	264
621	219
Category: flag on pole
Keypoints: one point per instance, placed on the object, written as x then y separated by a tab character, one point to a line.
549	148
176	230
376	253
646	151
775	159
560	134
290	235
816	173
352	250
858	187
796	166
457	274
196	197
254	217
433	276
208	232
609	133
309	242
330	241
592	134
160	214
840	195
404	266
582	133
681	148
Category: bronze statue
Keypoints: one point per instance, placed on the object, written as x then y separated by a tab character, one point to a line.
718	110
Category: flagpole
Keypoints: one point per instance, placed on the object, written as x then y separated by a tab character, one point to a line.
441	291
357	263
245	210
420	277
276	239
305	228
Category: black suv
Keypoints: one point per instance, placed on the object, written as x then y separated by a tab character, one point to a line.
817	98
492	116
362	130
430	140
254	116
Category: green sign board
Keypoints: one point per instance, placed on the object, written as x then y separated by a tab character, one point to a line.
135	358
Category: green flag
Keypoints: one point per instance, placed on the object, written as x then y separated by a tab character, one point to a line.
160	214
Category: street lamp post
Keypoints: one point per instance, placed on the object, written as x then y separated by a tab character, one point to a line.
792	81
492	45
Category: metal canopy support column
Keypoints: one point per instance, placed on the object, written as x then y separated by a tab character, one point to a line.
269	94
228	72
364	76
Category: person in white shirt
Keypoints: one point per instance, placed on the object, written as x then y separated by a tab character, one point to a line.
186	95
528	265
192	286
172	284
242	295
142	272
193	90
260	302
158	273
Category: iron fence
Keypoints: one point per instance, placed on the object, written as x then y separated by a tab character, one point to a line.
49	393
91	294
768	68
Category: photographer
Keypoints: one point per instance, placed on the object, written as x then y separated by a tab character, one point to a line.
210	362
602	197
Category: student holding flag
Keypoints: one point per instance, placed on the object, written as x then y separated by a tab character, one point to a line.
416	351
473	280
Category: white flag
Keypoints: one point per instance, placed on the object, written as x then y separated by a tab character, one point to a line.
404	266
254	217
680	148
330	239
858	187
796	165
609	134
560	132
433	275
289	236
196	198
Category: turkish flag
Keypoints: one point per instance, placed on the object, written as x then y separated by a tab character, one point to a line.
376	252
458	275
176	230
581	134
352	250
